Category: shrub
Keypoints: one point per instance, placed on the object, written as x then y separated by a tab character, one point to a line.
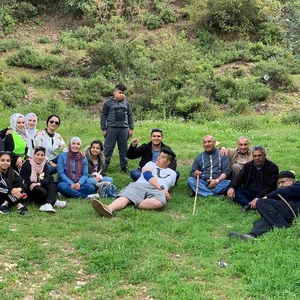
244	123
292	118
7	22
152	22
239	106
44	39
24	10
9	44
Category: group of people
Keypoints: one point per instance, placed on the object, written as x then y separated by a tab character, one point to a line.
29	157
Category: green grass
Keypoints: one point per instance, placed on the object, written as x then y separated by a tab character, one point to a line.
76	254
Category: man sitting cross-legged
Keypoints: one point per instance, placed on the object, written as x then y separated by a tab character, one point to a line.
150	191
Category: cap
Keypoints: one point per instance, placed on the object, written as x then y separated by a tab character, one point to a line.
286	174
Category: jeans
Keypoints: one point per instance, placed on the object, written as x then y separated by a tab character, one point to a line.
244	197
85	190
93	181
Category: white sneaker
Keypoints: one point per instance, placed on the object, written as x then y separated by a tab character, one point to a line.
47	208
60	204
93	196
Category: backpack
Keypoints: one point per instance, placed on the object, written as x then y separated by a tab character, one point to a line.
107	190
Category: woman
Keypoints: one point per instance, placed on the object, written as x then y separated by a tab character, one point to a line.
72	170
17	139
12	186
95	159
31	122
40	185
51	141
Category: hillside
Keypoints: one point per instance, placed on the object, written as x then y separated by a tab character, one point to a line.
187	68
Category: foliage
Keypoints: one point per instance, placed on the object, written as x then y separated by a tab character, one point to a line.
44	39
9	44
291	118
7	21
244	123
24	10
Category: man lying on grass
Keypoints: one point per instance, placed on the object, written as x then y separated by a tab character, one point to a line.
150	191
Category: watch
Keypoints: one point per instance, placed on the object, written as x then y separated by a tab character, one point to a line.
161	187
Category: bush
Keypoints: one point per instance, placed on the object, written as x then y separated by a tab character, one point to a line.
239	106
44	39
24	10
152	22
7	22
9	44
292	118
244	123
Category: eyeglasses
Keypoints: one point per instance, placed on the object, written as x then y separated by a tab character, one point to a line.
283	181
158	174
52	121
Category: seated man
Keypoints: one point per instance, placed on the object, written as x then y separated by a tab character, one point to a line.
148	152
256	179
275	212
150	191
238	156
212	168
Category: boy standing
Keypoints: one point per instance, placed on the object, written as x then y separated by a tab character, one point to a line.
117	125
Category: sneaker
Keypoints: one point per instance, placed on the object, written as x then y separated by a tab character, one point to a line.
93	196
4	210
242	236
102	208
60	204
47	208
23	211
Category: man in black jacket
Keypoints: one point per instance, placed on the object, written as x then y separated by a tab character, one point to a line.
256	179
148	152
278	209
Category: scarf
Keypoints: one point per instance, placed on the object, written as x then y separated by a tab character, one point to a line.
31	131
36	170
78	165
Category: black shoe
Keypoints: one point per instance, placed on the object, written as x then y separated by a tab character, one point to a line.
4	210
244	237
125	170
246	208
23	211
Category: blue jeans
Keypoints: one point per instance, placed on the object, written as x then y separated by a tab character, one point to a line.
93	181
53	170
244	197
85	190
204	191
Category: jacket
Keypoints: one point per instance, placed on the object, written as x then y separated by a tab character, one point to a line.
268	178
145	153
289	193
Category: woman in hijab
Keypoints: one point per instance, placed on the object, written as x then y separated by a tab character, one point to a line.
51	141
31	122
41	187
17	139
72	169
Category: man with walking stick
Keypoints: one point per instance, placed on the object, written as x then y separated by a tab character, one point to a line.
212	168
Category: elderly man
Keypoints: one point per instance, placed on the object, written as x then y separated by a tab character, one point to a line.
256	179
278	209
238	156
150	191
147	152
212	169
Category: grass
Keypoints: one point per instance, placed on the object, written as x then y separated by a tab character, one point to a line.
76	254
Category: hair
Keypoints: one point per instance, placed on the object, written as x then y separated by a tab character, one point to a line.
5	153
120	87
156	130
39	148
208	135
169	152
259	148
97	142
243	138
51	116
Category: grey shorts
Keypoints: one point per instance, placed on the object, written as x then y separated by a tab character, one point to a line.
137	192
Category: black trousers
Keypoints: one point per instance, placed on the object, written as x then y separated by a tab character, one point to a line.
275	213
41	195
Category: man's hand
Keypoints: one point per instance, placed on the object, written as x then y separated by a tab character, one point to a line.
253	203
135	141
130	133
197	173
223	151
231	193
104	133
167	194
212	183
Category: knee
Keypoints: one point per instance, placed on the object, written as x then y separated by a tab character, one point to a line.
191	181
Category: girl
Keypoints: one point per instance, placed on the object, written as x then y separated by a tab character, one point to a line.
31	122
12	186
51	141
95	159
41	187
72	170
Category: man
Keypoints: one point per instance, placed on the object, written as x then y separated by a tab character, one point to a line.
256	179
147	152
273	208
150	191
238	156
212	169
117	125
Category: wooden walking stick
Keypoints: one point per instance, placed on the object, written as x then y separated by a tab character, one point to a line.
196	194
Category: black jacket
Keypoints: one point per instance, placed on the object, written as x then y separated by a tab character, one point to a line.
145	153
268	178
289	193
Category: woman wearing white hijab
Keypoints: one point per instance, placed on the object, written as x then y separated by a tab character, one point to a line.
31	122
17	139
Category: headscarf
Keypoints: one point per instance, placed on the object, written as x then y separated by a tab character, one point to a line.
23	134
31	131
37	169
78	161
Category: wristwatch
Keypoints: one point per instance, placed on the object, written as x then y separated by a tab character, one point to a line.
161	187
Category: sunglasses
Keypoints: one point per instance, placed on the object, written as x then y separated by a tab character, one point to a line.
55	122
